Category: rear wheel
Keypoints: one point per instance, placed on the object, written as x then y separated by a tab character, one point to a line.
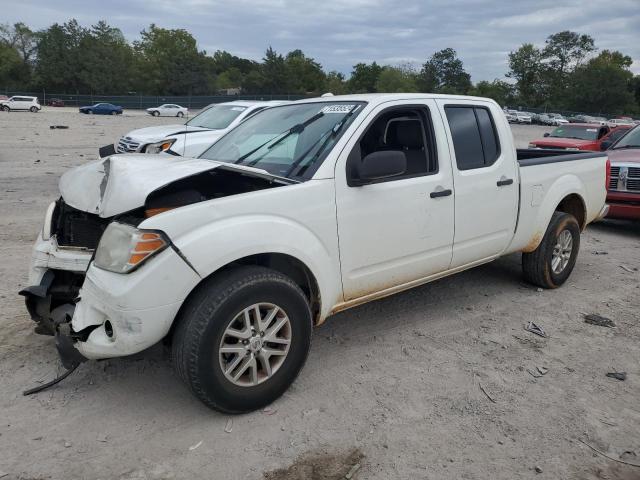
113	112
550	264
180	114
33	109
242	339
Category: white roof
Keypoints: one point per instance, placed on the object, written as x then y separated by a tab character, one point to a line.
387	97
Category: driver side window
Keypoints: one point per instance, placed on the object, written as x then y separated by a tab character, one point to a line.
406	130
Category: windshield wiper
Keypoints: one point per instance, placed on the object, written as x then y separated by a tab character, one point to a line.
333	131
279	138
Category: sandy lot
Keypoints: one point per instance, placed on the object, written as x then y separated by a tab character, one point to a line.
390	390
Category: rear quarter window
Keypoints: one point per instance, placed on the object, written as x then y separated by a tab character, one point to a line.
474	136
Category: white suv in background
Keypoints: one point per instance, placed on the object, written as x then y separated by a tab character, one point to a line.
196	135
21	103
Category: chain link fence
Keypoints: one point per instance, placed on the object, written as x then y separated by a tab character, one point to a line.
135	101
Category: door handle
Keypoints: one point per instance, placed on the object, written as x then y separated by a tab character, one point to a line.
504	181
441	193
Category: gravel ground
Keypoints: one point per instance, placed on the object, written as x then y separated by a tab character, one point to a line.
432	383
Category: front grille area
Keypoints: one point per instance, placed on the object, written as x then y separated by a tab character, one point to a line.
75	228
126	145
625	179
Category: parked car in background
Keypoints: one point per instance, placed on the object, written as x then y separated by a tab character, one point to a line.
168	110
3	97
557	119
615	122
523	117
102	109
511	116
301	211
55	102
196	135
580	136
624	185
21	103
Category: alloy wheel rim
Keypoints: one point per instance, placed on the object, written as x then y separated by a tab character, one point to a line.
562	252
255	344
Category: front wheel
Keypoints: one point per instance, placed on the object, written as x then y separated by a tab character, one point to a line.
6	109
89	112
242	338
113	112
550	264
155	113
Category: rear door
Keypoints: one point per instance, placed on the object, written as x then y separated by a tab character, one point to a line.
399	229
485	177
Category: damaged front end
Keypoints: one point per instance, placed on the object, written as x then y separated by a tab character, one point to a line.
123	188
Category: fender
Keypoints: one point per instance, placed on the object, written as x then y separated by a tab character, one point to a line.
529	239
212	246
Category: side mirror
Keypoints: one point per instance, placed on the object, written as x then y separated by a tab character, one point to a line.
378	166
605	145
546	134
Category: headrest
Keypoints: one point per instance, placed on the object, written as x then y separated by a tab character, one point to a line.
406	133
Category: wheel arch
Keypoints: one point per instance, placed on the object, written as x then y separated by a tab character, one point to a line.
574	204
286	264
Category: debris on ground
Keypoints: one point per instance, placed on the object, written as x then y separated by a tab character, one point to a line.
486	393
538	469
353	470
600	252
229	426
193	447
599	320
534	373
627	269
67	444
269	411
60	127
320	464
542	370
537	329
628	454
622	376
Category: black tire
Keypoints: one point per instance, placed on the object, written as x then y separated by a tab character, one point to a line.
113	112
537	265
180	115
155	113
89	112
6	109
204	319
33	109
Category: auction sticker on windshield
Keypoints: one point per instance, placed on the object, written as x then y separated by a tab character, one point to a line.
337	108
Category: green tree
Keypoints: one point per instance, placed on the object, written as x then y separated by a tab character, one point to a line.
498	90
525	67
24	41
169	63
106	60
364	78
444	73
304	73
10	65
335	83
396	80
274	76
604	84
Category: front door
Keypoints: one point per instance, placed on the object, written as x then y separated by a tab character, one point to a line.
399	229
486	181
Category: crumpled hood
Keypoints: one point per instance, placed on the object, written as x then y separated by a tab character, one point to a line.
156	134
121	183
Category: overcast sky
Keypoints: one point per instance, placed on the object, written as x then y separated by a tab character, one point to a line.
340	33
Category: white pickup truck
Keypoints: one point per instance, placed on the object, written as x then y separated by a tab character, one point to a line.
303	210
196	135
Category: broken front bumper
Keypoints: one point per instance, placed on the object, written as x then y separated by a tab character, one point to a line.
47	255
122	314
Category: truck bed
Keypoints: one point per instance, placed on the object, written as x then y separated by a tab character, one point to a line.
539	156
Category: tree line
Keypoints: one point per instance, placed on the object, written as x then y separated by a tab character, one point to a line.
566	73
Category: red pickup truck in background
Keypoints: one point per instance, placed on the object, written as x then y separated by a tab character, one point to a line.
581	136
623	194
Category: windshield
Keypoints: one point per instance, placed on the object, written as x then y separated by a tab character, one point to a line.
630	140
216	117
575	131
288	141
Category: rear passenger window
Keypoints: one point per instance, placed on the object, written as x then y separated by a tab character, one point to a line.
474	136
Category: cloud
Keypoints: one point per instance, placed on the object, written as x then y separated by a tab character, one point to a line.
340	33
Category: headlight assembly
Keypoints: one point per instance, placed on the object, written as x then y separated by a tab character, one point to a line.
160	147
124	248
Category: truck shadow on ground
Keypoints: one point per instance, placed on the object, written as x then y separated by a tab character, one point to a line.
629	229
